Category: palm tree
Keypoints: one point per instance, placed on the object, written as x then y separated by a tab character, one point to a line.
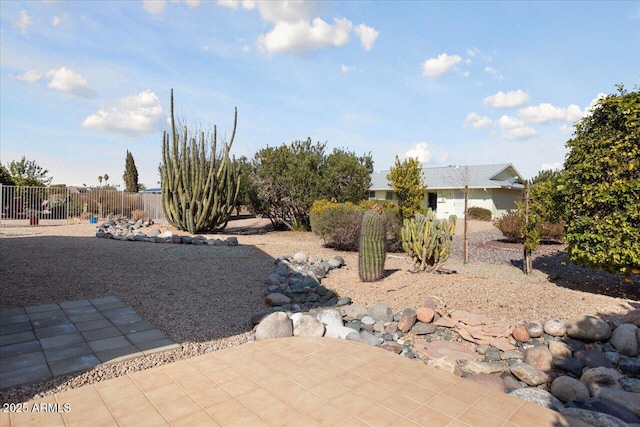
106	178
100	180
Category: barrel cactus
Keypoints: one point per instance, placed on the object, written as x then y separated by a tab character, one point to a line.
427	240
199	190
373	250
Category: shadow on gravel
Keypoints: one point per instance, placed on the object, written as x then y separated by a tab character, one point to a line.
192	293
568	275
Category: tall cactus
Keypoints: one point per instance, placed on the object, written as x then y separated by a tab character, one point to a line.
427	240
199	191
373	250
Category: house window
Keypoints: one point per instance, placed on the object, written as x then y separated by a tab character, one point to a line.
389	195
372	194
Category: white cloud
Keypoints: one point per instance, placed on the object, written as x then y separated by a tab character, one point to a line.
546	112
136	115
155	7
494	73
68	81
478	122
346	68
435	67
24	22
515	98
31	76
304	37
593	103
514	128
290	11
56	21
420	151
246	48
368	36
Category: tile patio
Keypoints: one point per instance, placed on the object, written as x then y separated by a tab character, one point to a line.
295	381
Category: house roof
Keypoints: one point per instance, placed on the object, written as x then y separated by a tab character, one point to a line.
450	177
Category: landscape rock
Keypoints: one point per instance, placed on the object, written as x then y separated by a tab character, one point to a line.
407	320
572	365
628	400
539	397
276	299
593	359
624	339
535	329
632	317
529	374
423	328
447	364
555	327
307	326
566	388
596	378
354	311
521	334
558	348
630	384
588	328
630	366
275	325
425	314
381	312
336	262
595	419
492	381
604	406
539	357
300	257
476	367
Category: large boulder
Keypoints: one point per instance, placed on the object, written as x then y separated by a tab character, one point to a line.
275	325
307	326
381	312
588	328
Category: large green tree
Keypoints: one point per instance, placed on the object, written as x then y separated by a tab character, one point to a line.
130	176
28	173
5	176
406	180
602	186
286	180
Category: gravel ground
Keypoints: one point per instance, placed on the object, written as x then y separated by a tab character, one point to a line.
203	297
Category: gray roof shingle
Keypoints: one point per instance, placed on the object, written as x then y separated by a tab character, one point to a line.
479	176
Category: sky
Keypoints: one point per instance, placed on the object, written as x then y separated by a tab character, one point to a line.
452	83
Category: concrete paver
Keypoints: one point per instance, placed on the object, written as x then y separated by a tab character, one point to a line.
39	342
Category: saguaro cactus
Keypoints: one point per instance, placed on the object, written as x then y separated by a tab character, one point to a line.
373	251
427	240
199	190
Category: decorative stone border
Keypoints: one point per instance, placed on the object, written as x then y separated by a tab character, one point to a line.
586	368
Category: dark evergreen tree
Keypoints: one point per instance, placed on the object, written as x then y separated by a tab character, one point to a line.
130	176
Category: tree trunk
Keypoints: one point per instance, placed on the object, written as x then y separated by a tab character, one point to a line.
465	246
526	262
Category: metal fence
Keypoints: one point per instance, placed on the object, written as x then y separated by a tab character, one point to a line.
20	206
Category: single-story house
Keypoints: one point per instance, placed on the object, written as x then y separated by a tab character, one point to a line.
496	187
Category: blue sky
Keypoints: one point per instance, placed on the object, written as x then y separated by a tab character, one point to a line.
450	82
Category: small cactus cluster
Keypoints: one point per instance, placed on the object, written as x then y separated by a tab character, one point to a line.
427	240
372	251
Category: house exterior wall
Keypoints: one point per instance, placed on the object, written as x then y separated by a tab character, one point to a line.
451	202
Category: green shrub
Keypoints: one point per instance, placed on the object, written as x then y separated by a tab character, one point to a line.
338	224
481	214
511	226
